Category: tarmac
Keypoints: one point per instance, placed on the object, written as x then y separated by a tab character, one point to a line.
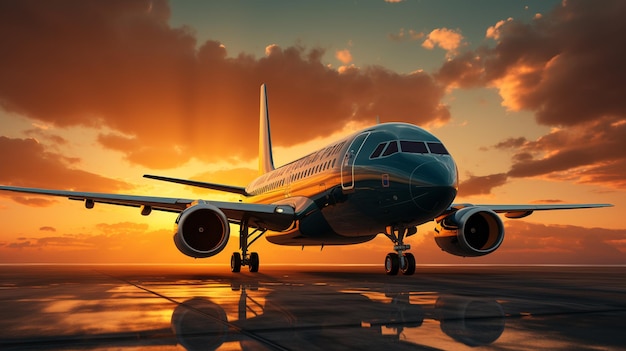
199	307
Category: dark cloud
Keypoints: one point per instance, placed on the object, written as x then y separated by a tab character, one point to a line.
121	65
27	163
48	229
511	143
590	153
567	66
481	185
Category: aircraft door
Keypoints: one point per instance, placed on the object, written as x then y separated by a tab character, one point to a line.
347	165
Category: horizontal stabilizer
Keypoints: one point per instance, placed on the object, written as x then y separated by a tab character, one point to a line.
213	186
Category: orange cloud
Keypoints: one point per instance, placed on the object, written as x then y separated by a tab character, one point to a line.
344	56
493	32
558	67
165	98
444	38
124	242
28	163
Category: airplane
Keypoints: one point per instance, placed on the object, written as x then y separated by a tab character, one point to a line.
386	179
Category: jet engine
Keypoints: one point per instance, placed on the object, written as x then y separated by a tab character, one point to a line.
201	231
470	231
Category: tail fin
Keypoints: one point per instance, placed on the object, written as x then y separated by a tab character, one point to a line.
266	161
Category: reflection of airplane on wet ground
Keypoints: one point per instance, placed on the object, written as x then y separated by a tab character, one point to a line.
386	179
130	307
262	315
352	321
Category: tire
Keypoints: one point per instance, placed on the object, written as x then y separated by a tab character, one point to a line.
254	262
235	262
409	264
392	263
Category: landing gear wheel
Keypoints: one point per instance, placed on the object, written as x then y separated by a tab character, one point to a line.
235	262
408	268
254	262
392	263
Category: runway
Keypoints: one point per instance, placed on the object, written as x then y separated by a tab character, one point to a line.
46	307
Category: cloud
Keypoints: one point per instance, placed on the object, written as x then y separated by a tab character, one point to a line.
565	243
108	243
481	185
536	243
27	163
33	201
167	98
587	153
344	56
511	143
444	38
565	67
524	243
548	201
493	32
402	35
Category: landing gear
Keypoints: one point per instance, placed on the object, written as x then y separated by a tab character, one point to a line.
235	262
392	263
244	259
409	264
400	260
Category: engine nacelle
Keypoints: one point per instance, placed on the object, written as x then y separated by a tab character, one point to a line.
470	231
201	231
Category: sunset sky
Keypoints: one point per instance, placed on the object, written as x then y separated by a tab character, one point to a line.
528	96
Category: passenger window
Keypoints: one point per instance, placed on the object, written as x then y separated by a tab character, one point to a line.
437	148
413	147
378	150
392	148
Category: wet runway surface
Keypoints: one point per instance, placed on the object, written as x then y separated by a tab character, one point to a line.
311	308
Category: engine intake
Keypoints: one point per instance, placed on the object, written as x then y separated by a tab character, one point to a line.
471	231
201	231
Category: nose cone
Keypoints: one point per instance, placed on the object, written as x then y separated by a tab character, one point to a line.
434	185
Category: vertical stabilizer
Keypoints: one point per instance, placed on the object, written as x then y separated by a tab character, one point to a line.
266	161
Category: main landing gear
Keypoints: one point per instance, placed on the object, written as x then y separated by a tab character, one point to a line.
244	259
400	260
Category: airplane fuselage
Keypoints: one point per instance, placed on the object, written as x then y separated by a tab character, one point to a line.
392	174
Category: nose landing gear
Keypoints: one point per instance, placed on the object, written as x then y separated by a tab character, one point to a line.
400	260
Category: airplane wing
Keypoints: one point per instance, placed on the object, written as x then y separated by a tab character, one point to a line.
521	211
273	216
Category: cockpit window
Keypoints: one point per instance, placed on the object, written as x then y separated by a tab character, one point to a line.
391	149
437	148
413	147
378	150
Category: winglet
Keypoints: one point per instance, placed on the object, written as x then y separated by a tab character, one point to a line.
266	161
